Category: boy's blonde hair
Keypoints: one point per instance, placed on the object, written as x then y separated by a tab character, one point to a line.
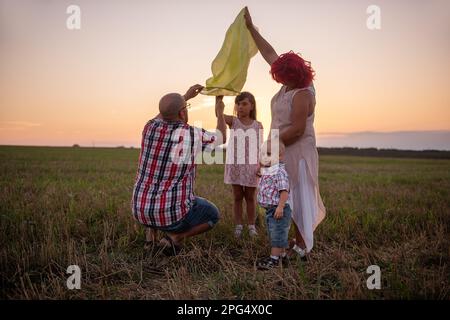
276	137
267	147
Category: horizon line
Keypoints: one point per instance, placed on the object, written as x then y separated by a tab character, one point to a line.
138	148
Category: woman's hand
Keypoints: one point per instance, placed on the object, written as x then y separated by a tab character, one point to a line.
264	47
248	18
193	92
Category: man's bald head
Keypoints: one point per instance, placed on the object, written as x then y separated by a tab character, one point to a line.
170	105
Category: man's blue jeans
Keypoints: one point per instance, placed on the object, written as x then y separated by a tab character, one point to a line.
202	211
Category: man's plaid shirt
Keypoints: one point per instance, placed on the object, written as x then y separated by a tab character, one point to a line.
163	191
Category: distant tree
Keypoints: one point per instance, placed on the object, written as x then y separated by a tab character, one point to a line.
392	153
76	145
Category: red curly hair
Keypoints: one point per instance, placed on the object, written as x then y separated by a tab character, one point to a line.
292	69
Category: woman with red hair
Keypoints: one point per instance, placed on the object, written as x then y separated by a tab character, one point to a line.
293	115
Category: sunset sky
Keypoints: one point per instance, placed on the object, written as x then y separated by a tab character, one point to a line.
99	85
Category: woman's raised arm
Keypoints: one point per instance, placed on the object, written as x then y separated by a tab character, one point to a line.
267	51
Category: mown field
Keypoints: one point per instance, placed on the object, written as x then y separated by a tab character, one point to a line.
66	206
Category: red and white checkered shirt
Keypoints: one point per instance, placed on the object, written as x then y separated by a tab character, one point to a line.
273	180
163	191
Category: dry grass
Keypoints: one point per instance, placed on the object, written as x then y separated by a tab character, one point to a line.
64	206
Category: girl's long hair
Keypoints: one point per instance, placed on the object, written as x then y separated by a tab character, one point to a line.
251	98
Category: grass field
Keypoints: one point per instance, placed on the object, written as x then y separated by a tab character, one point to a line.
65	206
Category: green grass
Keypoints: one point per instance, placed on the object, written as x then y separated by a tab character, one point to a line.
64	206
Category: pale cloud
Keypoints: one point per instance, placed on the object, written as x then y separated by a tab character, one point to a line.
209	102
18	125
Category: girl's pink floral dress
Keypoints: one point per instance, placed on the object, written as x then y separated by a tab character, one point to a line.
237	171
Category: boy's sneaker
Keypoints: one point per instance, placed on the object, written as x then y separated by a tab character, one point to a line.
268	263
252	231
238	231
285	261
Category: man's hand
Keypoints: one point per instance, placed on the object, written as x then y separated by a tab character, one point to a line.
193	92
278	213
248	18
220	106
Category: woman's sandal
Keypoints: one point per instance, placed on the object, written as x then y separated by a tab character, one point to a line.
294	248
170	248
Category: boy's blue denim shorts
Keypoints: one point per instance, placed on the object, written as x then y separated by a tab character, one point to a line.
279	229
202	211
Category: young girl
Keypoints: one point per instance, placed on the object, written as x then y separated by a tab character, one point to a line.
242	162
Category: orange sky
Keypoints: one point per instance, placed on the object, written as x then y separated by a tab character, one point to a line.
99	85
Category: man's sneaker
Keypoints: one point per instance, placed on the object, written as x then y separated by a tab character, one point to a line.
268	263
252	231
238	231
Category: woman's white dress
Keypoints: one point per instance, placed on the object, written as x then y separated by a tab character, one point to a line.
302	165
